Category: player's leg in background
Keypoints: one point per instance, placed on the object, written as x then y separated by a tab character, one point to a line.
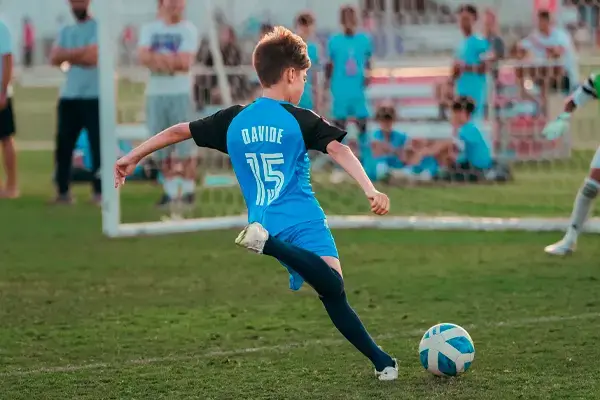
157	121
91	121
70	124
185	153
9	153
323	272
581	210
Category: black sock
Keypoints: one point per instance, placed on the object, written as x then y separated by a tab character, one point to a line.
330	286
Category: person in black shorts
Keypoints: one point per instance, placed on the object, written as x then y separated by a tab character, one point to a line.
7	120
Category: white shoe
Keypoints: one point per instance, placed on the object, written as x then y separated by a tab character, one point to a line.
253	238
562	248
388	373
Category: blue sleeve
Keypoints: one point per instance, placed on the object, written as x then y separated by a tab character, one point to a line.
376	136
369	46
400	139
190	40
62	40
94	34
484	45
5	40
313	53
145	39
331	48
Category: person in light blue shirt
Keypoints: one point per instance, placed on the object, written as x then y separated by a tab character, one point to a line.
386	146
167	47
7	117
470	66
348	71
305	26
268	143
76	51
474	152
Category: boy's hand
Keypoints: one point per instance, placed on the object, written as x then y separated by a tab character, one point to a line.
380	203
124	167
555	129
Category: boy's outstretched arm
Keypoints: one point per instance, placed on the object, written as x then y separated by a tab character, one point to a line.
582	95
340	153
126	164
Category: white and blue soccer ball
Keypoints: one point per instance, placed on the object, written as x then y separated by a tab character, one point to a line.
446	350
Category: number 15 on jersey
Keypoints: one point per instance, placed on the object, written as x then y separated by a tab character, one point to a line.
263	166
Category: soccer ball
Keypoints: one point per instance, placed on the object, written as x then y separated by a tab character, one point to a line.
446	350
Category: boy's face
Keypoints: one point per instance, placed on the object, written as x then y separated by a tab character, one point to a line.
544	24
174	8
466	21
295	84
386	125
459	117
305	30
349	20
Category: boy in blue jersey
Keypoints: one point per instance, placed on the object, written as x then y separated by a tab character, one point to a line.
468	156
305	26
348	71
470	67
387	146
267	142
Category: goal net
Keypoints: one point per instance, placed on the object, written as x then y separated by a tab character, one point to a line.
530	186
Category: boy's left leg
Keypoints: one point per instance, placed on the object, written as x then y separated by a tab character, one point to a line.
323	273
180	110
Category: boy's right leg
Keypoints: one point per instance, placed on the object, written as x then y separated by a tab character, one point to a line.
329	285
157	120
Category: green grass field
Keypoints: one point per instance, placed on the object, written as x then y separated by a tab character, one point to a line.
193	317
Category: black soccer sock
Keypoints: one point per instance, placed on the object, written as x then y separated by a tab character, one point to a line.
330	286
312	268
347	322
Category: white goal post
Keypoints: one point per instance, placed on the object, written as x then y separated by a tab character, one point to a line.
107	12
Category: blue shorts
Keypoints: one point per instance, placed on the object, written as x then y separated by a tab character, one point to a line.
345	105
313	236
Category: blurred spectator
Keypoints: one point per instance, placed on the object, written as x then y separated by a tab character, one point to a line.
468	157
491	31
349	71
76	50
128	44
569	16
470	66
386	145
305	26
207	87
167	47
28	42
551	43
7	118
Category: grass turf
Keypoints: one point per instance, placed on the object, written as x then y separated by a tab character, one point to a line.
191	316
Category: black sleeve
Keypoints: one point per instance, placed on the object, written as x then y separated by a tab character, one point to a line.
316	131
211	132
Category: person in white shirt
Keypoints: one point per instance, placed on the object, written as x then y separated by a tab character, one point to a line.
167	48
553	44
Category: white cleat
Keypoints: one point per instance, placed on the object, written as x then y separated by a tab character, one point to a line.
388	373
253	238
562	248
